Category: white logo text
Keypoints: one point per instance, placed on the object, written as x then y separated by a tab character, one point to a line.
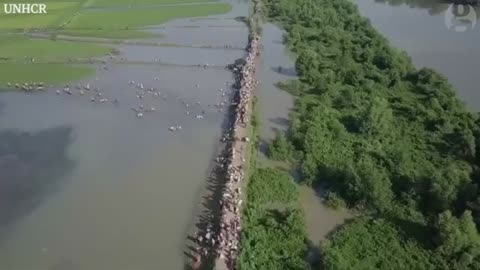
25	8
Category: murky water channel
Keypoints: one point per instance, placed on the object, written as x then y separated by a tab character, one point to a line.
274	107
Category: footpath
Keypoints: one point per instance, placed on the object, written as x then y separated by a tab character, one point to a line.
221	241
228	238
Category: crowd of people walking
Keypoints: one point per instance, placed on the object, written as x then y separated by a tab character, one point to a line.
226	241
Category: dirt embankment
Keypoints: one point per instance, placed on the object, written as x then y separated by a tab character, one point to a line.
218	243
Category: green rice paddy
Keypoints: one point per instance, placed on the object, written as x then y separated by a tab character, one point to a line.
15	48
106	33
119	19
48	73
143	16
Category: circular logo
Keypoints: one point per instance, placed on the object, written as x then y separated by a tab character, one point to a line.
460	18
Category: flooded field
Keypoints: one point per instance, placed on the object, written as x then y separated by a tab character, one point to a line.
422	29
96	185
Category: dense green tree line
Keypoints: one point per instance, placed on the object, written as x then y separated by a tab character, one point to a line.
386	137
380	243
280	148
273	229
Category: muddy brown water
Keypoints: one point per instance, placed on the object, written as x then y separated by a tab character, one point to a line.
274	108
88	185
276	66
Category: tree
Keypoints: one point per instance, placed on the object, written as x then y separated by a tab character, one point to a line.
280	148
370	184
382	134
378	118
458	240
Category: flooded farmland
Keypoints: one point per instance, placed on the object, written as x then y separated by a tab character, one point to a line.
110	177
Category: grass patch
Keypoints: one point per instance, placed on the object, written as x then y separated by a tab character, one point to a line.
366	242
47	73
271	186
16	48
273	228
253	131
104	33
273	239
142	17
16	51
280	148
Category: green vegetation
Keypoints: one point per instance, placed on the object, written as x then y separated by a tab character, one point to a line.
253	132
369	243
271	186
280	148
458	241
373	244
18	52
47	73
74	18
142	16
293	87
273	230
334	201
106	33
16	48
384	137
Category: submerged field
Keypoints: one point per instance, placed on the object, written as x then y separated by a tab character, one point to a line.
121	19
16	48
142	16
24	60
48	73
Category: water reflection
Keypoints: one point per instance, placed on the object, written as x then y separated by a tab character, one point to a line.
31	164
